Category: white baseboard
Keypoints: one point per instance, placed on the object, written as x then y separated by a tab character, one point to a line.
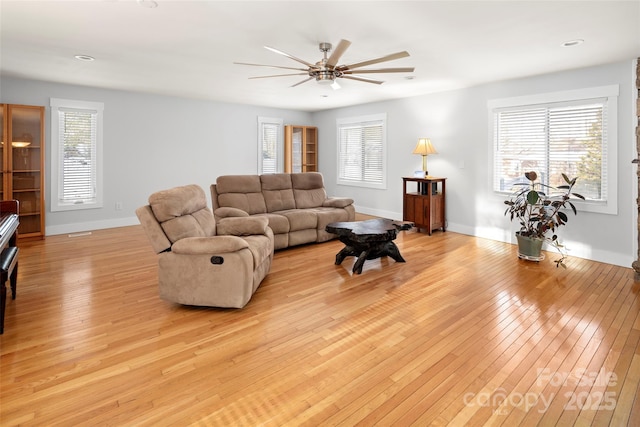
89	226
379	213
573	249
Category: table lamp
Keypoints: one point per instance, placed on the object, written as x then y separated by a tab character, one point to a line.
424	148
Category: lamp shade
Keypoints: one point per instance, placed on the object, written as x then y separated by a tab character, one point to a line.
424	147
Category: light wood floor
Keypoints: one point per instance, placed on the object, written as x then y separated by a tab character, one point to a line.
463	333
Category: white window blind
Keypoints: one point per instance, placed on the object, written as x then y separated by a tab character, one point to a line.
361	151
78	180
270	145
76	136
552	139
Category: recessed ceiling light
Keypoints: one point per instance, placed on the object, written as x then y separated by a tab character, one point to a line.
85	58
151	4
572	43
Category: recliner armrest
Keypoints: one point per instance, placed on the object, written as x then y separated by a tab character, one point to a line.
228	212
208	245
337	202
242	226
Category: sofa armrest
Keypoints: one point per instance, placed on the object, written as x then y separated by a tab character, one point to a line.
244	226
227	212
337	202
208	245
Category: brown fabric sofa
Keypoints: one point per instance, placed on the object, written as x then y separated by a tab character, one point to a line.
201	262
296	205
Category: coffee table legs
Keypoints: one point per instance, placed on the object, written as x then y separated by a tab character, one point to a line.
367	251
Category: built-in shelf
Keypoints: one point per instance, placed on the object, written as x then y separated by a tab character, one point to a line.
300	149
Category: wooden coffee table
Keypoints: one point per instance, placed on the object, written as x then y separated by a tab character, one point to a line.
368	239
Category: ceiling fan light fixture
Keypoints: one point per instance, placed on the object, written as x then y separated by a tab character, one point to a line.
327	71
325	78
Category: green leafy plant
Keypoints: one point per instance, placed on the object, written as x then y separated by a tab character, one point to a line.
541	213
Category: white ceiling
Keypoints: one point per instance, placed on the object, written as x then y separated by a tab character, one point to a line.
187	48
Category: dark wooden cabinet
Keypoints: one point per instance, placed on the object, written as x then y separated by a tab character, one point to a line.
424	202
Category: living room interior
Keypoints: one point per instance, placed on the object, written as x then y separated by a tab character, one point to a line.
178	111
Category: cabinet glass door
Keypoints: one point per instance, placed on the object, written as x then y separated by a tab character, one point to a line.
25	165
296	149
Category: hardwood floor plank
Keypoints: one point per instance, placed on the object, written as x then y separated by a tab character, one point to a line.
586	383
88	342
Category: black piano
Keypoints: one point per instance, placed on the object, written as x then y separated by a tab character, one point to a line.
8	247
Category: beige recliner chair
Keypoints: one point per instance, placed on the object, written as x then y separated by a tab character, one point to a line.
201	262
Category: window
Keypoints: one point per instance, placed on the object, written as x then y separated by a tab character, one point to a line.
76	153
571	132
362	151
270	145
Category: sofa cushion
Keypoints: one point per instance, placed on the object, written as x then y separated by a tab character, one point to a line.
308	189
326	216
279	224
242	192
237	226
302	237
277	191
301	219
307	180
306	199
329	215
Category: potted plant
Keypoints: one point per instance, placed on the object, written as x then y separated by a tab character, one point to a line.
540	213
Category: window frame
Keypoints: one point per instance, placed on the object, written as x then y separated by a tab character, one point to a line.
57	165
362	120
279	123
610	96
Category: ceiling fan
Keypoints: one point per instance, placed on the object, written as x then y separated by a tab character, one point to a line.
327	70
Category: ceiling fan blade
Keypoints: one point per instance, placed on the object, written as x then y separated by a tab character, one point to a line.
299	83
302	61
270	66
381	70
337	53
362	79
390	57
278	75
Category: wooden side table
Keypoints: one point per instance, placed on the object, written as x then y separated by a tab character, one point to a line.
424	204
